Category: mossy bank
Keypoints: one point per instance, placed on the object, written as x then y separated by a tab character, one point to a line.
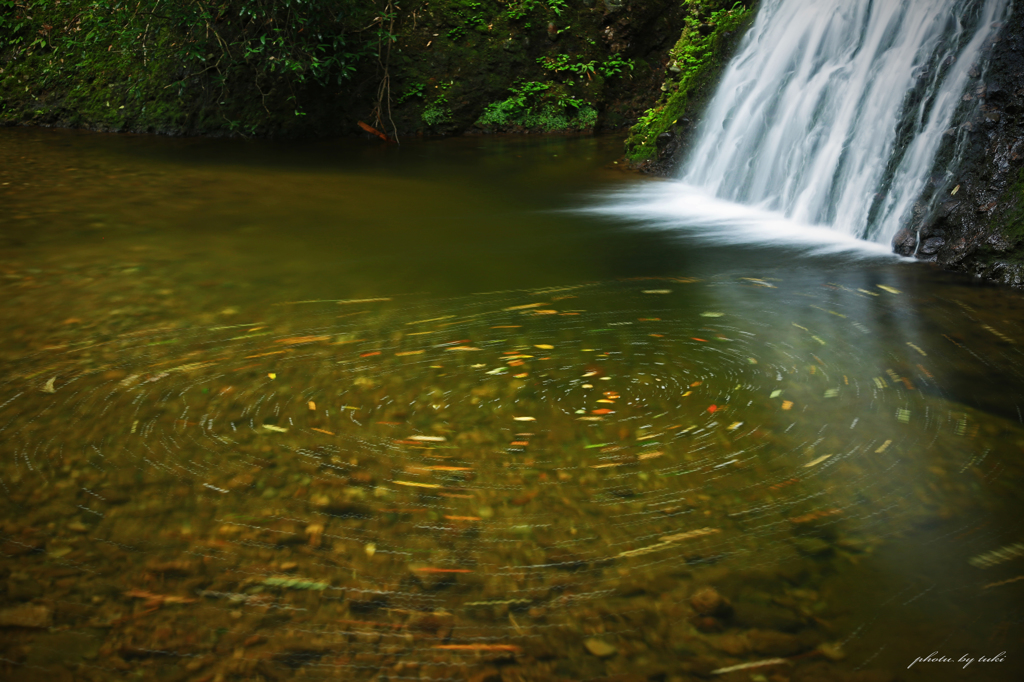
320	67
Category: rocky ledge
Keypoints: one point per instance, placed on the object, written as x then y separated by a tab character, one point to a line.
976	223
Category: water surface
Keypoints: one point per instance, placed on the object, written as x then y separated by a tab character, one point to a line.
362	412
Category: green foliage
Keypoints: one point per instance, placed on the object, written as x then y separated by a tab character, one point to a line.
469	14
695	60
558	6
615	65
542	106
437	110
609	68
412	90
147	57
518	9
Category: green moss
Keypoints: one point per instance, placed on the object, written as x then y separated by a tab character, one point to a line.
696	61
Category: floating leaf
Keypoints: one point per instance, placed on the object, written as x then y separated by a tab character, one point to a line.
526	306
710	314
917	348
690	534
819	460
295	583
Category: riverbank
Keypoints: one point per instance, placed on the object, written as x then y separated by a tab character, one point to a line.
458	67
321	68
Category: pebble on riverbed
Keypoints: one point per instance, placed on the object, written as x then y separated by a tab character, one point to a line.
600	648
25	616
708	602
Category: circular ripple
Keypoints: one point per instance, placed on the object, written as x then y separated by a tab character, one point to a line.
427	488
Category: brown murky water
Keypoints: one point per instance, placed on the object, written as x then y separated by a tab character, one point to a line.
346	412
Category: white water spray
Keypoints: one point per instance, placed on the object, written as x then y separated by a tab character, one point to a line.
832	112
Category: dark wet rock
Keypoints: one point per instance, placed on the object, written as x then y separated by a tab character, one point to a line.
931	246
980	208
905	242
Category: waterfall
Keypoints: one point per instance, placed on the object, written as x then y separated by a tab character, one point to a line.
832	112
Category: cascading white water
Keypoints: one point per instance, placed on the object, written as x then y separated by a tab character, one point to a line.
833	110
825	127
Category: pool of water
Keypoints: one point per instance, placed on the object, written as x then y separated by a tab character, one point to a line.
349	411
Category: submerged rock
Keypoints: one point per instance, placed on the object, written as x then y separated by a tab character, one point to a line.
26	616
600	648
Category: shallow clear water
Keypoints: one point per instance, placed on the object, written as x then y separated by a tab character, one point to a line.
347	411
